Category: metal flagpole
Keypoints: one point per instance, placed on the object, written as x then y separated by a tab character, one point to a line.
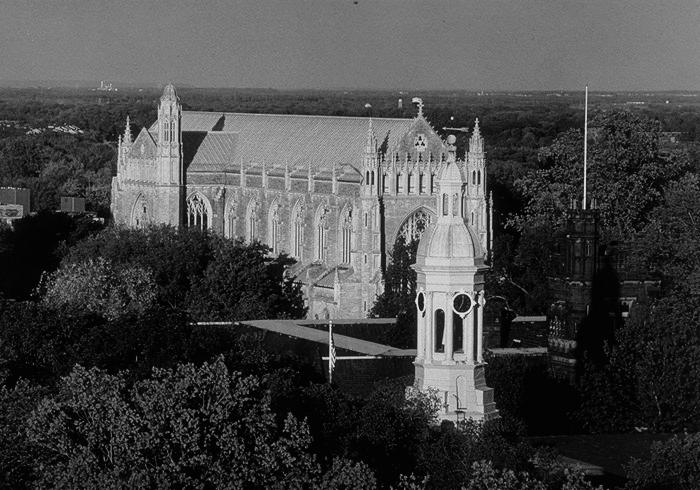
585	147
331	352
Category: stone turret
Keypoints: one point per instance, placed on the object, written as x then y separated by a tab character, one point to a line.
475	175
450	301
170	137
370	164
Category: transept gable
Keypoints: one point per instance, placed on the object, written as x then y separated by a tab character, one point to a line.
420	143
144	146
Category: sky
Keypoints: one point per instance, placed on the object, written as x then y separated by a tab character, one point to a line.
384	44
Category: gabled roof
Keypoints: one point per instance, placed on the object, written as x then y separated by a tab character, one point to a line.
296	140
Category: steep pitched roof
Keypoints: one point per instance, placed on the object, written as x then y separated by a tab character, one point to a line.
294	139
210	151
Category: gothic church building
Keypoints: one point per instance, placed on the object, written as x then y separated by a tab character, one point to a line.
333	192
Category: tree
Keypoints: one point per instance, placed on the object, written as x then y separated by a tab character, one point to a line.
397	300
243	282
672	465
667	245
36	244
189	427
102	288
651	377
626	174
210	277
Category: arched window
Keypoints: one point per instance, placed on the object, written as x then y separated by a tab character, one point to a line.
321	225
445	204
421	183
385	185
198	210
413	227
399	183
411	183
472	218
432	183
439	336
474	177
346	236
478	178
457	333
367	178
372	177
230	220
251	220
140	213
273	228
297	231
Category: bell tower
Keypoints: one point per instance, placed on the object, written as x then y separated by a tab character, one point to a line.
450	302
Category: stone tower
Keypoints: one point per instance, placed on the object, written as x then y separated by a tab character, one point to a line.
450	301
169	163
371	212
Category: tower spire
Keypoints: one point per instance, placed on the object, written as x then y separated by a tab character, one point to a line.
127	131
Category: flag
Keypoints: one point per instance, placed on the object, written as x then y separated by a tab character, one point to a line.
331	351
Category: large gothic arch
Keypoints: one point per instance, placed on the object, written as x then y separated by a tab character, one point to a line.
414	224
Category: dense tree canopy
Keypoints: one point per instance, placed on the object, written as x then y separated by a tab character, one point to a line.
211	277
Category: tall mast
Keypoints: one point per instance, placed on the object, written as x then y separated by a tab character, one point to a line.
585	147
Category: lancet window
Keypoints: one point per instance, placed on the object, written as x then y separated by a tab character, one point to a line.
385	184
230	220
445	204
411	183
439	336
297	231
321	224
251	219
273	228
198	212
421	183
346	236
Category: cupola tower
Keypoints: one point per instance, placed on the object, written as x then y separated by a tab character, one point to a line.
450	302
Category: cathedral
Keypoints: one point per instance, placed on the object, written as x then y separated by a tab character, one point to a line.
335	193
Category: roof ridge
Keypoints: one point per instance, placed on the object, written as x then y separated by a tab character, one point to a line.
303	115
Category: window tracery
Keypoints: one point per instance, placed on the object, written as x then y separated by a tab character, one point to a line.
321	223
198	212
415	225
297	231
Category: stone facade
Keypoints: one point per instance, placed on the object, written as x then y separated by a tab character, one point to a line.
333	192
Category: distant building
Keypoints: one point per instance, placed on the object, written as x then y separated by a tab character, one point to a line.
593	291
336	193
72	205
14	203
